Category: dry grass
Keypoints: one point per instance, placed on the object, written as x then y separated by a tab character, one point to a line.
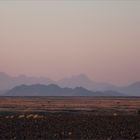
66	103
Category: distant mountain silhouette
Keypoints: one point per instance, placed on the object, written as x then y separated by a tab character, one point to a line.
54	90
8	82
84	81
131	90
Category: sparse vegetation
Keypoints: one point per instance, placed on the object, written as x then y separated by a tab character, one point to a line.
138	111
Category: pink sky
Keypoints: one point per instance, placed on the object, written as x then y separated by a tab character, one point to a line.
59	39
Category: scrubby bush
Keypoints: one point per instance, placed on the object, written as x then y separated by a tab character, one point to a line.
138	111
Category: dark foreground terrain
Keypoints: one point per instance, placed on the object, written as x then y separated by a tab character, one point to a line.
97	123
69	126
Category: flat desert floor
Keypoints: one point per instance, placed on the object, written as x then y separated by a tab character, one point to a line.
98	118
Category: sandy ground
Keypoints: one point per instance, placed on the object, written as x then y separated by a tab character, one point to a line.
69	103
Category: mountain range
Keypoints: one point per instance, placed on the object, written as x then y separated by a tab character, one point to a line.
8	82
54	90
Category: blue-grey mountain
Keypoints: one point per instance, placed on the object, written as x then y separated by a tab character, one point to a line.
54	90
8	82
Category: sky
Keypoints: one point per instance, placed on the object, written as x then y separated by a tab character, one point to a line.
60	38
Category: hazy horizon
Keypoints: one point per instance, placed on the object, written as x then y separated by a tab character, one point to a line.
59	39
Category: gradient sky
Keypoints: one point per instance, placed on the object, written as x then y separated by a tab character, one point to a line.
100	38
